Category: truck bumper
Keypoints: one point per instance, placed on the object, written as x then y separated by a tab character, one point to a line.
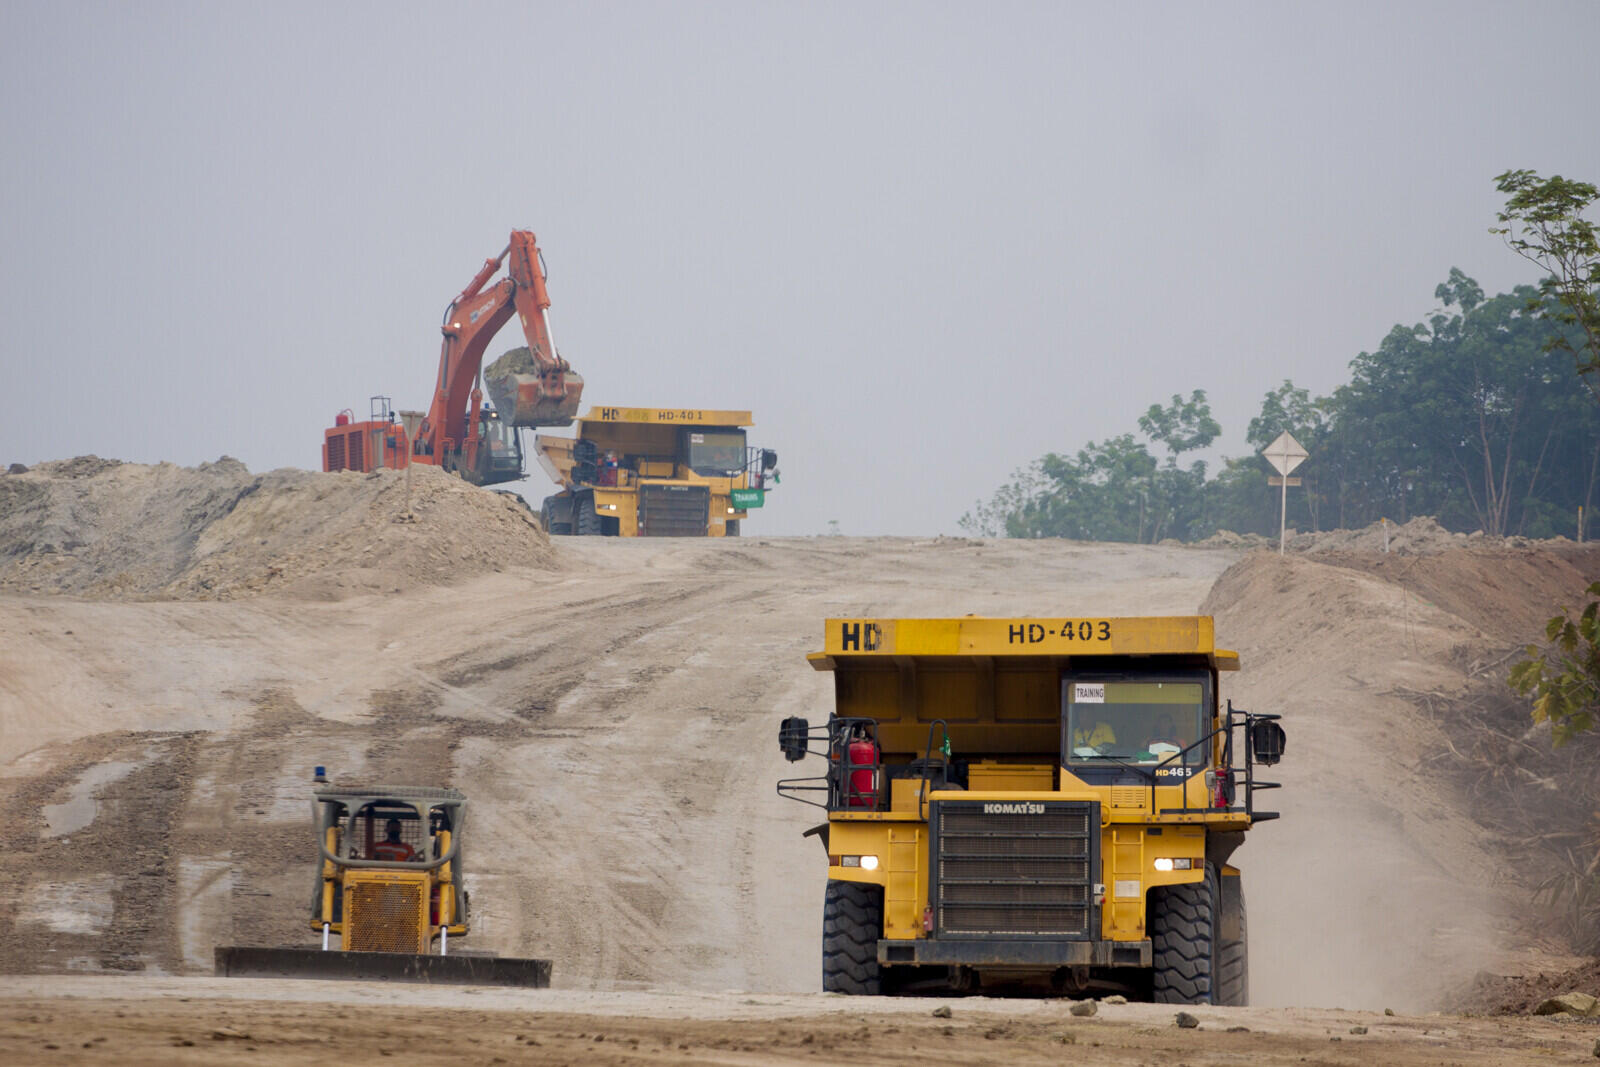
971	952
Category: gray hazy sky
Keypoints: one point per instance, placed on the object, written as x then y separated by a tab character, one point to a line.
924	243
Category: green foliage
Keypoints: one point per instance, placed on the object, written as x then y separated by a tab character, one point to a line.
1543	222
1001	515
1112	490
1564	677
1462	417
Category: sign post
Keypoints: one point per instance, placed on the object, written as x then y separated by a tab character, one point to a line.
1285	454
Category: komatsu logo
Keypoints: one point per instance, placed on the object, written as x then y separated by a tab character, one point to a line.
1013	809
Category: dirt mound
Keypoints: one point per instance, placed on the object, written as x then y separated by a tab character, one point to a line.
1519	994
1419	537
124	531
1366	900
1506	591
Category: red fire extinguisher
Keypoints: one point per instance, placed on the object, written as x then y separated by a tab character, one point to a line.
1224	791
861	756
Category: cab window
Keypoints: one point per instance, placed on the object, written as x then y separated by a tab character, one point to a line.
1142	720
716	453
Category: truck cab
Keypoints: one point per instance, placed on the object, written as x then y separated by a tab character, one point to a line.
1032	801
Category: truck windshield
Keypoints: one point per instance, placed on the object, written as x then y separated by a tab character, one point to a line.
1133	720
716	452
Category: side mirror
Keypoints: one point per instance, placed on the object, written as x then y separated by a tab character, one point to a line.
792	734
769	459
1266	741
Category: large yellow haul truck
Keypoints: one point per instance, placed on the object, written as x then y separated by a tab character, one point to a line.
1033	799
655	472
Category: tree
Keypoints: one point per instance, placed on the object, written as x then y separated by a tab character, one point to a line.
1564	680
1290	410
991	518
1177	492
1460	416
1543	222
1111	490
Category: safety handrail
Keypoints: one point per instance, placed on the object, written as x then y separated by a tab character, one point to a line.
834	735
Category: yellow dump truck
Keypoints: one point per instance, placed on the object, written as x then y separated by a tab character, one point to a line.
389	897
655	472
1033	800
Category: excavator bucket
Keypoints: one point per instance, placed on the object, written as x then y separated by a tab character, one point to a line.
521	395
529	405
462	969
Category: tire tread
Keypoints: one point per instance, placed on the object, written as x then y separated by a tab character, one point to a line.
1183	941
852	917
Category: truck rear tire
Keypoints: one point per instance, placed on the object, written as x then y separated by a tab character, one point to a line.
1183	928
1233	945
852	919
586	521
556	515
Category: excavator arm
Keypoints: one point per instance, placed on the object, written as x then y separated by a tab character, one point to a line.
548	396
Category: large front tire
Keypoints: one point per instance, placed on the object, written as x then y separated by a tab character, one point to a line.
1183	929
1233	944
852	918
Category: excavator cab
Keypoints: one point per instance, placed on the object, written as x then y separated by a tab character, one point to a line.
499	450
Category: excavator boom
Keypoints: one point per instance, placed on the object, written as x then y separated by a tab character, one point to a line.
547	396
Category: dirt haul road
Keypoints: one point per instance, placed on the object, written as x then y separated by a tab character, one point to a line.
172	1021
611	707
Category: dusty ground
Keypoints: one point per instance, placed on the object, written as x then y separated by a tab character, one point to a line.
610	709
180	1021
614	723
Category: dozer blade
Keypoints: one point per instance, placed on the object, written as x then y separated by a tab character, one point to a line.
521	400
241	962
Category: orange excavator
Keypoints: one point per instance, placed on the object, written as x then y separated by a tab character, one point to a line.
460	432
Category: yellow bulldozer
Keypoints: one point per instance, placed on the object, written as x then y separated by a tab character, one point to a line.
390	889
655	472
1033	801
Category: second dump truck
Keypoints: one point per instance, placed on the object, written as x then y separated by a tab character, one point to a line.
655	472
1032	800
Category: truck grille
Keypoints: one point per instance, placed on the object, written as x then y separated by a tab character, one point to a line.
383	917
674	510
1014	874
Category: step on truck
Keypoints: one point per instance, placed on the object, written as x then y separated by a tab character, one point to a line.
1033	802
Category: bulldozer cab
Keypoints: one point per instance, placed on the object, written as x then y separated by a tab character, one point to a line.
406	828
389	898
